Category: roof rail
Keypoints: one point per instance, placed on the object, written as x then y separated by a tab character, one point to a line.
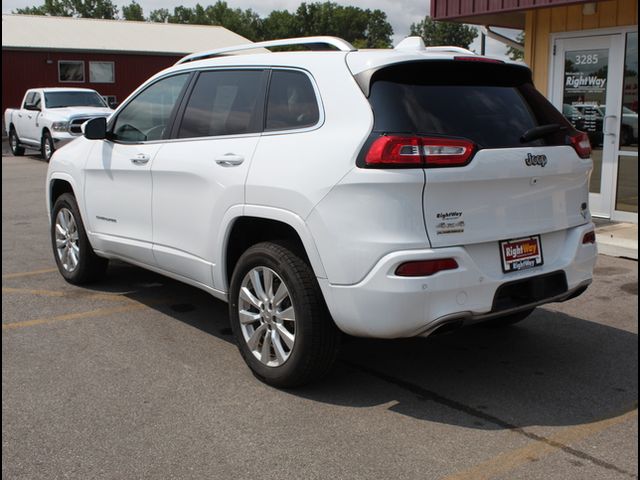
449	49
339	43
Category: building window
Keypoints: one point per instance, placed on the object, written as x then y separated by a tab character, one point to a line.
71	71
102	72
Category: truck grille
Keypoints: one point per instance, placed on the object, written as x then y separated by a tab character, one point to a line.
74	125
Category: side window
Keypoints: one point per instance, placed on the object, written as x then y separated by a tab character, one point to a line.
37	101
146	117
225	102
292	102
29	99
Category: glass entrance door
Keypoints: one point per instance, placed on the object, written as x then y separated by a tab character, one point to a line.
587	88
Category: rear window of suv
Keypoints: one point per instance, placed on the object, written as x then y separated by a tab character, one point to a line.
488	103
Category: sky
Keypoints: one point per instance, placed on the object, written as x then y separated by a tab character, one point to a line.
400	13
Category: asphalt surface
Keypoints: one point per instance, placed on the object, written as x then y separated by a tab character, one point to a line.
138	377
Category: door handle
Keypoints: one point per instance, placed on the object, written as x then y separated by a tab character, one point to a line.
230	160
141	159
604	124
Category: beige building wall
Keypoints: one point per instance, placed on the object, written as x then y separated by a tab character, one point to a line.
541	23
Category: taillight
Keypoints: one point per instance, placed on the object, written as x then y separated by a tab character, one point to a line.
580	143
398	151
589	237
424	268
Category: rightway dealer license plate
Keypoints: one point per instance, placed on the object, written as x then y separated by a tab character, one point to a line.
521	254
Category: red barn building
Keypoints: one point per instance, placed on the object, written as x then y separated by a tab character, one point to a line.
110	56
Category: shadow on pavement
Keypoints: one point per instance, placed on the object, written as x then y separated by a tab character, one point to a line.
550	370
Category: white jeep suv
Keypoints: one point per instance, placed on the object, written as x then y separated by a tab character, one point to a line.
382	193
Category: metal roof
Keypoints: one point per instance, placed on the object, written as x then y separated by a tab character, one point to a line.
82	34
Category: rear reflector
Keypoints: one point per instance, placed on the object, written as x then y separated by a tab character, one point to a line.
398	151
589	237
424	268
580	143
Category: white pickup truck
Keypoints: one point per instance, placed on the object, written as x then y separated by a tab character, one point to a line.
50	117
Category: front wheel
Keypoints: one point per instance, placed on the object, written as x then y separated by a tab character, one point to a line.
279	318
47	146
75	258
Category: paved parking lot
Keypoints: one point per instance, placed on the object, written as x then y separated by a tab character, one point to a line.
138	377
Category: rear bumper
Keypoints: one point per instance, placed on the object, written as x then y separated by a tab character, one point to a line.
384	305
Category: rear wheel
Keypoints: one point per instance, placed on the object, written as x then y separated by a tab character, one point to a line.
75	258
508	319
14	143
46	146
279	318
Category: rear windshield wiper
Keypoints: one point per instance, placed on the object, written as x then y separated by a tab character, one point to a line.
541	131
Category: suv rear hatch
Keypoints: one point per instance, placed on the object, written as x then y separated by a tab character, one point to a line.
500	161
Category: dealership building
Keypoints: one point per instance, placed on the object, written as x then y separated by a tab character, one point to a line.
110	56
584	58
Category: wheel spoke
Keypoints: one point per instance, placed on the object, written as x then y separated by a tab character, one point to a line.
62	221
280	295
267	276
285	335
287	315
247	296
265	353
74	258
247	317
60	230
252	343
281	355
60	242
257	285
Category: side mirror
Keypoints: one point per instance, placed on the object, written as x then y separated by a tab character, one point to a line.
95	129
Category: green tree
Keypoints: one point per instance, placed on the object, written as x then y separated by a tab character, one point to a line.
160	15
133	11
435	33
74	8
515	53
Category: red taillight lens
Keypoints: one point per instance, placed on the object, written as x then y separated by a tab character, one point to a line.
580	143
589	237
397	151
446	152
424	268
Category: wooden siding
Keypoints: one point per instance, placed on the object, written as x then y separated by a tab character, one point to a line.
541	23
23	69
450	9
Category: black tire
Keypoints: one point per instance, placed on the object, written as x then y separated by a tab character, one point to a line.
317	339
14	143
508	319
89	267
47	147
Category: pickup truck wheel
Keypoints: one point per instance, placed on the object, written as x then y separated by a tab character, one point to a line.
508	319
279	318
14	143
76	260
46	146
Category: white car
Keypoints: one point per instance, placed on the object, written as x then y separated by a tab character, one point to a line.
382	193
50	117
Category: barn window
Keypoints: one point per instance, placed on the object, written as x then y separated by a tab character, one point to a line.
102	72
71	71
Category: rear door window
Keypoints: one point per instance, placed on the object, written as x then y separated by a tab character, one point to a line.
225	102
292	101
490	104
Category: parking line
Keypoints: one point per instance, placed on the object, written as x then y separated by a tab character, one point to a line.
28	274
115	297
98	312
508	461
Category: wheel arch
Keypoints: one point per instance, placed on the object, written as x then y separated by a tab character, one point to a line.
247	226
58	184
